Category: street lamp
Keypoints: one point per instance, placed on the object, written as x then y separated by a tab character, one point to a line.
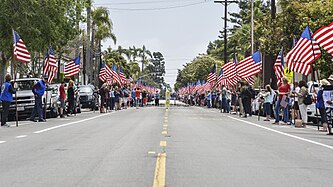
225	3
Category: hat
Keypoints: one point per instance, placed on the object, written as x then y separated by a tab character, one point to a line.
324	82
330	78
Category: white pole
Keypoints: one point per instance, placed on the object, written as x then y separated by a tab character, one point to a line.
252	26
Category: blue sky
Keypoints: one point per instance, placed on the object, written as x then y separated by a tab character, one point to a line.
180	34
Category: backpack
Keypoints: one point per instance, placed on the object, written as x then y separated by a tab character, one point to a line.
307	99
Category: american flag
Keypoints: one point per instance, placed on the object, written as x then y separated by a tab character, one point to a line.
72	67
50	65
212	75
250	80
129	80
122	76
304	53
279	67
250	65
324	36
230	72
102	75
207	86
21	52
197	86
109	81
115	75
221	79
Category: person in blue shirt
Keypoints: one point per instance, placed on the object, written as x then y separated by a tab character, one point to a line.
133	98
38	89
321	105
6	97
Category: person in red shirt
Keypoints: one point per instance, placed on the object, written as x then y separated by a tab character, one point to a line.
137	97
283	98
62	98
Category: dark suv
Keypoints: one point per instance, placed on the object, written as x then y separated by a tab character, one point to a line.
88	96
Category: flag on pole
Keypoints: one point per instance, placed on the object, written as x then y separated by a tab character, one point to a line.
21	52
303	54
250	65
129	80
115	75
324	36
221	79
50	65
122	76
102	74
72	67
279	67
212	75
197	86
230	72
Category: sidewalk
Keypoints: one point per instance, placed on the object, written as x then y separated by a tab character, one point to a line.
310	132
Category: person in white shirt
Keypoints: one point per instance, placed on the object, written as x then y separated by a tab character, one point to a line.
295	114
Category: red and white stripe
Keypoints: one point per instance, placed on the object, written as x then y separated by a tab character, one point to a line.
71	69
324	36
248	67
21	52
279	70
300	58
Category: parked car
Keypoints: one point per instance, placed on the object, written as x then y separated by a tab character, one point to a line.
26	99
313	114
88	97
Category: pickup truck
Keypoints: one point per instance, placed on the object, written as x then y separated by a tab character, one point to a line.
26	100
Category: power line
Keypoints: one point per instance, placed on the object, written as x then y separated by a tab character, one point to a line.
142	2
160	8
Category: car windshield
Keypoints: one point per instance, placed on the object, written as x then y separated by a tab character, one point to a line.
25	85
85	89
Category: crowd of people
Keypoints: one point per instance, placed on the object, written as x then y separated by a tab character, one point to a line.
117	98
112	98
285	106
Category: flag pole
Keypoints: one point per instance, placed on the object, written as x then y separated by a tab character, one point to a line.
15	64
314	57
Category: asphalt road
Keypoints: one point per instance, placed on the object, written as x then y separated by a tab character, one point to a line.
181	146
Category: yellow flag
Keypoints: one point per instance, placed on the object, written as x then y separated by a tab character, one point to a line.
289	74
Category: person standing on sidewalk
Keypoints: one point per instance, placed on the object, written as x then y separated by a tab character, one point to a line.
137	97
328	98
267	102
302	106
7	91
38	90
70	97
62	98
157	99
112	96
320	104
283	93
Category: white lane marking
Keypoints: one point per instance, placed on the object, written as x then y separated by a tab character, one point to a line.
21	136
285	134
71	123
2	141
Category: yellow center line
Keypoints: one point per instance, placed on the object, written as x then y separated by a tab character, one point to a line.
163	143
159	178
164	132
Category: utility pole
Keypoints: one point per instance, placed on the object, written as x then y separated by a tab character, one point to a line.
252	28
225	3
88	58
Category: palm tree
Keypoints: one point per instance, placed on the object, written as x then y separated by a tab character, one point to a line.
142	53
101	29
